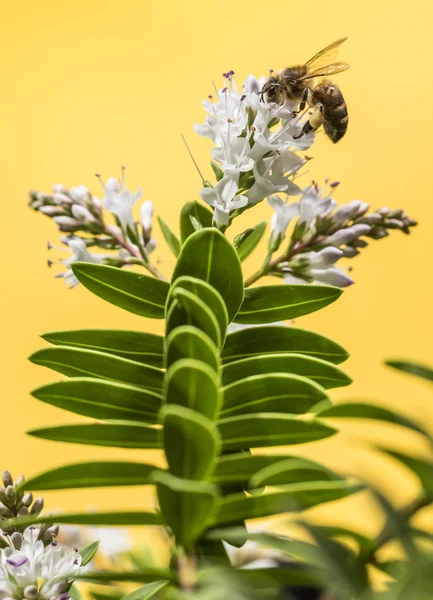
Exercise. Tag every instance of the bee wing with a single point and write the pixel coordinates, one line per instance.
(331, 69)
(325, 56)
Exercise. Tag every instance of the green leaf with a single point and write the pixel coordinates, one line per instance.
(143, 576)
(412, 368)
(139, 294)
(101, 399)
(88, 552)
(146, 591)
(363, 410)
(170, 238)
(322, 372)
(118, 435)
(188, 309)
(91, 474)
(250, 243)
(187, 341)
(208, 255)
(199, 212)
(191, 442)
(292, 470)
(78, 362)
(273, 392)
(240, 467)
(75, 593)
(269, 429)
(185, 504)
(256, 341)
(267, 304)
(294, 497)
(208, 294)
(146, 348)
(421, 467)
(111, 518)
(193, 384)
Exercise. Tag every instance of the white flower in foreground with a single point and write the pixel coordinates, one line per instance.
(282, 216)
(222, 199)
(119, 201)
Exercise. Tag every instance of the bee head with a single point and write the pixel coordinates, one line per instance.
(273, 89)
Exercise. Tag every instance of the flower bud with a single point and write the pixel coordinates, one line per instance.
(79, 194)
(52, 211)
(20, 480)
(23, 512)
(58, 188)
(27, 499)
(7, 479)
(3, 510)
(81, 213)
(16, 539)
(11, 494)
(343, 236)
(37, 507)
(60, 198)
(350, 252)
(67, 223)
(31, 592)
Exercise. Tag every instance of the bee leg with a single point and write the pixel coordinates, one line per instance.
(303, 100)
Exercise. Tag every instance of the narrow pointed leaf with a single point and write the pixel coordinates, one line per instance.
(193, 384)
(144, 575)
(267, 304)
(412, 368)
(186, 505)
(146, 591)
(91, 474)
(139, 294)
(273, 392)
(208, 255)
(191, 442)
(363, 410)
(146, 348)
(421, 467)
(322, 372)
(199, 212)
(170, 238)
(293, 498)
(118, 435)
(112, 518)
(88, 552)
(188, 309)
(269, 429)
(78, 362)
(292, 471)
(102, 399)
(256, 341)
(250, 243)
(240, 467)
(187, 341)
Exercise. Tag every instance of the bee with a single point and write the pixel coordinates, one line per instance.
(298, 84)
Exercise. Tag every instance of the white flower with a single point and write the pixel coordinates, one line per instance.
(112, 540)
(343, 236)
(119, 201)
(222, 199)
(82, 214)
(313, 204)
(146, 213)
(79, 254)
(284, 213)
(331, 276)
(79, 194)
(318, 267)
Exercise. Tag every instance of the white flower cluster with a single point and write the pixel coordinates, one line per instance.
(29, 570)
(255, 147)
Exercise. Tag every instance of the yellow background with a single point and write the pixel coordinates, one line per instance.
(92, 85)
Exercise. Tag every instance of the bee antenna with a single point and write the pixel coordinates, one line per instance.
(192, 158)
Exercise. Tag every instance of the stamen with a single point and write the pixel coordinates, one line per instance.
(192, 158)
(98, 175)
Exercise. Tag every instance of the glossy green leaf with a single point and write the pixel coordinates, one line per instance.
(78, 362)
(238, 468)
(191, 442)
(185, 504)
(273, 392)
(91, 474)
(118, 435)
(149, 574)
(250, 243)
(113, 594)
(192, 383)
(412, 368)
(363, 410)
(188, 309)
(294, 497)
(421, 467)
(112, 518)
(199, 212)
(209, 256)
(269, 429)
(322, 372)
(146, 591)
(88, 552)
(292, 470)
(102, 399)
(137, 293)
(208, 294)
(170, 238)
(146, 348)
(187, 341)
(256, 341)
(267, 304)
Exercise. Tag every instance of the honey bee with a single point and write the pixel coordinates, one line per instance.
(298, 83)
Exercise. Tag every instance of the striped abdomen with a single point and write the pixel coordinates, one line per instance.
(334, 109)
